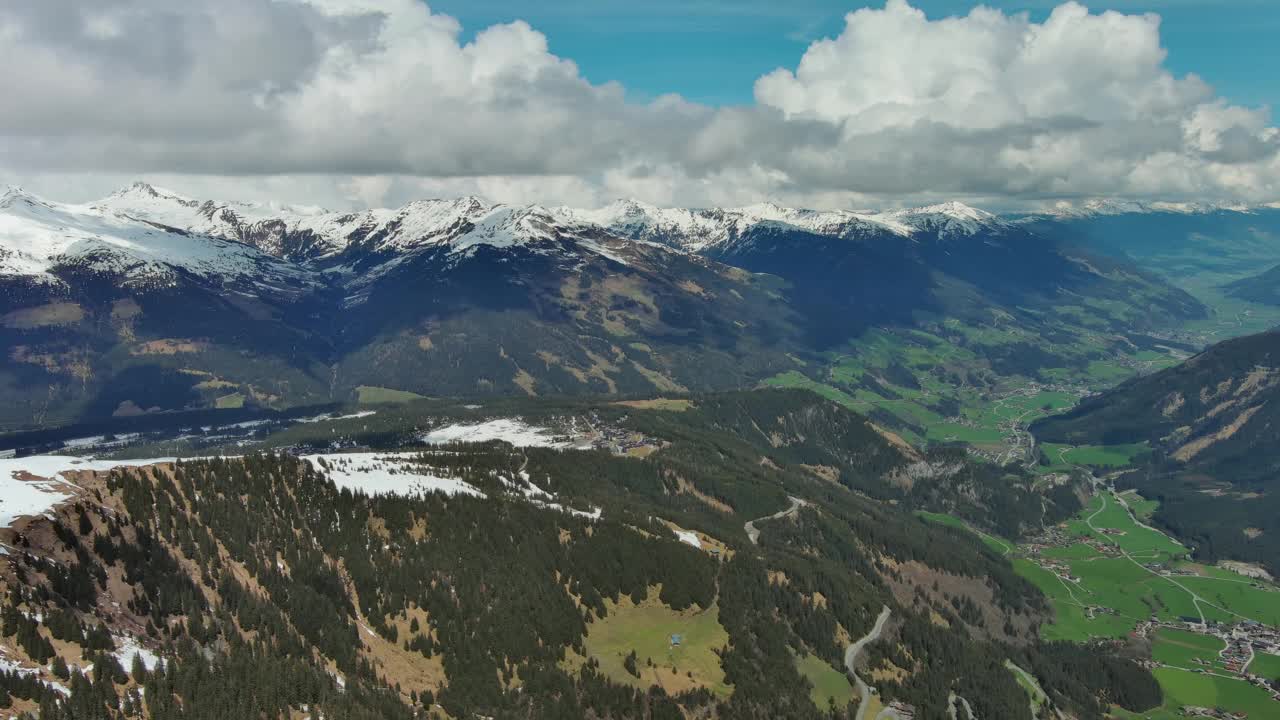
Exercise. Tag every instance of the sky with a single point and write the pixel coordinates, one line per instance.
(713, 50)
(350, 103)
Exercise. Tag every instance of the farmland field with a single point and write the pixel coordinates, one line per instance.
(1182, 649)
(1268, 666)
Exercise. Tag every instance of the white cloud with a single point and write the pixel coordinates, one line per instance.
(377, 101)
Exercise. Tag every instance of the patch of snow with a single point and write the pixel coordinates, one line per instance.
(99, 441)
(387, 474)
(688, 537)
(127, 647)
(26, 498)
(510, 430)
(328, 417)
(594, 514)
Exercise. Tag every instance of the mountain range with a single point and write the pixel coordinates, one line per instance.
(149, 300)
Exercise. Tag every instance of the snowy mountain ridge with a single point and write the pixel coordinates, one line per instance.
(142, 230)
(38, 236)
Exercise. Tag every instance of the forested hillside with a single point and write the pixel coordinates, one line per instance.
(269, 591)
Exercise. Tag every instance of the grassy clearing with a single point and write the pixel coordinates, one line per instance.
(1141, 507)
(1031, 685)
(646, 629)
(829, 686)
(373, 395)
(1064, 457)
(1001, 546)
(232, 401)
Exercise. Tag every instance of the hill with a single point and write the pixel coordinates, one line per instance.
(1212, 423)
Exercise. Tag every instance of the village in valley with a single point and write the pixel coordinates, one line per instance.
(1115, 579)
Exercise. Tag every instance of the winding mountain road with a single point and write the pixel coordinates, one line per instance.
(851, 660)
(753, 533)
(851, 652)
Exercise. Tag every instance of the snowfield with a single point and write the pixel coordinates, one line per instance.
(510, 430)
(127, 647)
(330, 417)
(688, 537)
(386, 474)
(38, 236)
(27, 498)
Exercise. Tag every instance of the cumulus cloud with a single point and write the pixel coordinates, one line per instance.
(380, 100)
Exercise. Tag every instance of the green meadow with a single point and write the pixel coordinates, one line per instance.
(829, 686)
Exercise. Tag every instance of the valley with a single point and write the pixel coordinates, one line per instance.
(1114, 579)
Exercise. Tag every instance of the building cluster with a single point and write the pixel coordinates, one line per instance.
(903, 711)
(1217, 713)
(590, 431)
(1243, 641)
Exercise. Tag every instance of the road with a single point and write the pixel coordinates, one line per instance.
(951, 708)
(753, 533)
(851, 660)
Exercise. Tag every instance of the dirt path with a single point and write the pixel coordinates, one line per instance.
(753, 533)
(851, 660)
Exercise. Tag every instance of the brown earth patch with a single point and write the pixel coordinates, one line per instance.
(169, 346)
(54, 313)
(683, 486)
(824, 472)
(1193, 448)
(912, 576)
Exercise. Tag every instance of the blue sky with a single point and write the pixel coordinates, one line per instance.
(713, 50)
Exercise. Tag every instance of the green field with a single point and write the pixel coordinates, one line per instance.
(373, 395)
(646, 629)
(1238, 596)
(829, 686)
(1189, 688)
(1064, 457)
(1070, 622)
(1183, 649)
(1143, 543)
(1268, 666)
(229, 402)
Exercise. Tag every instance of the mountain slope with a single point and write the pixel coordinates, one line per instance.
(850, 271)
(270, 583)
(152, 300)
(107, 309)
(1213, 422)
(1261, 288)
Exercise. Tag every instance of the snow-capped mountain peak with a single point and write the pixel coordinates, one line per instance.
(147, 191)
(38, 238)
